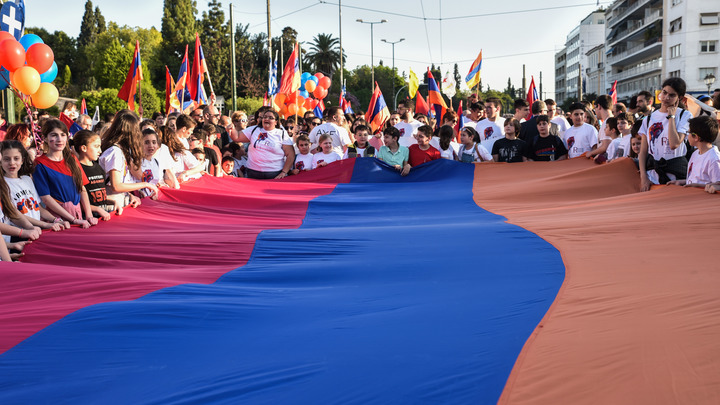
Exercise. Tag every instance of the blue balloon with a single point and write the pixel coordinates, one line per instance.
(5, 80)
(50, 74)
(305, 76)
(304, 93)
(315, 79)
(29, 40)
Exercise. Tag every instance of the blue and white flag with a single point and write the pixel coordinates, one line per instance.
(12, 18)
(272, 80)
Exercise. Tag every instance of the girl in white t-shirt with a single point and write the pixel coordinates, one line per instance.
(445, 145)
(328, 155)
(16, 169)
(151, 171)
(121, 159)
(471, 150)
(303, 160)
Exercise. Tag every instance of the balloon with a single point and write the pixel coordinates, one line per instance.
(5, 80)
(308, 103)
(50, 75)
(12, 54)
(302, 110)
(280, 98)
(320, 93)
(27, 80)
(325, 82)
(40, 56)
(29, 40)
(310, 86)
(304, 93)
(319, 75)
(46, 96)
(291, 98)
(300, 100)
(314, 80)
(304, 77)
(5, 35)
(292, 109)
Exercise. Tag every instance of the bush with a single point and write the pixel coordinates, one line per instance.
(247, 104)
(109, 102)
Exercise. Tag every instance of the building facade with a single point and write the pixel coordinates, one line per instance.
(595, 70)
(560, 85)
(691, 49)
(589, 34)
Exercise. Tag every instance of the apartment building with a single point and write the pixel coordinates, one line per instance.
(589, 34)
(560, 85)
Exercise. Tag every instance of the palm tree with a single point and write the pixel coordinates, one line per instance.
(324, 54)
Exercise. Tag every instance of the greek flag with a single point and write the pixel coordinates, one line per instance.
(12, 18)
(272, 80)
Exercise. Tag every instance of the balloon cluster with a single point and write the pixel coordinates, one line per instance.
(29, 67)
(299, 102)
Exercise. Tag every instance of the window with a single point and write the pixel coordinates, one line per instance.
(676, 25)
(709, 19)
(676, 2)
(675, 51)
(706, 71)
(675, 73)
(708, 46)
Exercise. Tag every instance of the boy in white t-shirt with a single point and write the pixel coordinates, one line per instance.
(492, 127)
(581, 137)
(625, 122)
(613, 133)
(704, 164)
(662, 152)
(303, 160)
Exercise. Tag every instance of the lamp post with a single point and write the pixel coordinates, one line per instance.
(372, 59)
(709, 80)
(393, 51)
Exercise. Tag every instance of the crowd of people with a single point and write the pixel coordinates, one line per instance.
(83, 175)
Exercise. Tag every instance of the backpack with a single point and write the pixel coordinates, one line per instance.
(690, 149)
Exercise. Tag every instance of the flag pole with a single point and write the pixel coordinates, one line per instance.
(139, 89)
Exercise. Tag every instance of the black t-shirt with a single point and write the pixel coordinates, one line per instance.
(211, 156)
(97, 193)
(510, 150)
(546, 149)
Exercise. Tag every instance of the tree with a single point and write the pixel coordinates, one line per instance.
(214, 34)
(93, 23)
(112, 65)
(178, 29)
(324, 54)
(510, 90)
(457, 77)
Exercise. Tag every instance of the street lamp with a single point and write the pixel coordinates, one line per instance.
(372, 59)
(393, 51)
(709, 80)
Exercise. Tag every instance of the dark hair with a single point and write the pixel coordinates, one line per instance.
(611, 122)
(392, 131)
(200, 134)
(332, 111)
(496, 101)
(538, 106)
(361, 127)
(633, 102)
(476, 106)
(227, 159)
(426, 130)
(70, 159)
(705, 127)
(550, 102)
(446, 134)
(125, 133)
(636, 128)
(627, 117)
(677, 84)
(450, 115)
(26, 169)
(472, 132)
(168, 137)
(8, 207)
(148, 122)
(303, 138)
(198, 150)
(82, 138)
(185, 121)
(542, 118)
(576, 106)
(520, 103)
(648, 96)
(150, 131)
(324, 137)
(515, 123)
(408, 103)
(604, 101)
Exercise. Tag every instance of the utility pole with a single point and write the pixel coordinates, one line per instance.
(580, 91)
(393, 62)
(269, 40)
(523, 83)
(541, 93)
(372, 57)
(232, 61)
(342, 63)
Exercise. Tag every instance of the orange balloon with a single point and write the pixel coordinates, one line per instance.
(319, 75)
(302, 110)
(310, 86)
(325, 82)
(320, 93)
(300, 100)
(46, 96)
(292, 108)
(280, 99)
(12, 54)
(6, 35)
(308, 103)
(27, 80)
(291, 98)
(40, 56)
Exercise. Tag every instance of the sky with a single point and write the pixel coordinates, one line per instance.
(510, 34)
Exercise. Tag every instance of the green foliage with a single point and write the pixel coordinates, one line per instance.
(152, 100)
(178, 30)
(66, 77)
(107, 99)
(507, 101)
(93, 24)
(247, 104)
(216, 46)
(359, 85)
(324, 54)
(112, 65)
